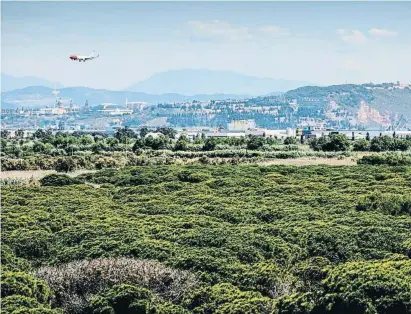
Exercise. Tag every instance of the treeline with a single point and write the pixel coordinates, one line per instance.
(66, 152)
(65, 144)
(339, 142)
(210, 239)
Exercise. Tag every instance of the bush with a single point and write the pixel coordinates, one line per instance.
(255, 142)
(22, 293)
(392, 204)
(75, 283)
(357, 287)
(209, 144)
(65, 164)
(290, 140)
(391, 159)
(59, 180)
(122, 299)
(331, 143)
(193, 177)
(361, 145)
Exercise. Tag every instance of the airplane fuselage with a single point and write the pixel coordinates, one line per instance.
(82, 58)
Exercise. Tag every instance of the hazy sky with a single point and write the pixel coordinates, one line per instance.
(319, 42)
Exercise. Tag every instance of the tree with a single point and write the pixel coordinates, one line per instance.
(19, 133)
(334, 142)
(65, 164)
(209, 144)
(144, 131)
(255, 142)
(381, 143)
(337, 142)
(39, 147)
(160, 142)
(169, 132)
(181, 143)
(5, 134)
(123, 133)
(361, 145)
(290, 140)
(138, 144)
(43, 135)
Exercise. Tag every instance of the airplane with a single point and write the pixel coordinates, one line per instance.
(83, 58)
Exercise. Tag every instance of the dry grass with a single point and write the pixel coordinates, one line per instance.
(75, 283)
(36, 174)
(306, 161)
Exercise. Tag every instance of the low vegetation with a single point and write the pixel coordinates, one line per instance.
(210, 239)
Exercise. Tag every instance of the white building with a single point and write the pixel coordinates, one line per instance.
(137, 105)
(53, 111)
(113, 109)
(241, 125)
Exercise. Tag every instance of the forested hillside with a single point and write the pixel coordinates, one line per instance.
(349, 96)
(210, 239)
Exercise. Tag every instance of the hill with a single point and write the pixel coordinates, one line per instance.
(372, 102)
(9, 82)
(36, 96)
(193, 81)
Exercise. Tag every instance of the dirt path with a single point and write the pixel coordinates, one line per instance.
(36, 174)
(306, 161)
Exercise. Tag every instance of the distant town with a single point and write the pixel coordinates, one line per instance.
(289, 114)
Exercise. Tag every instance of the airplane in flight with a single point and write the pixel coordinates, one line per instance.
(83, 58)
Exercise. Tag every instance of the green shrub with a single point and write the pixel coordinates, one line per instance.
(59, 180)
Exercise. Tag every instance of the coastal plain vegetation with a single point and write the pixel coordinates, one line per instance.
(66, 152)
(208, 239)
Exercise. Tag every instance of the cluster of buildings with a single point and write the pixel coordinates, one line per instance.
(398, 85)
(243, 128)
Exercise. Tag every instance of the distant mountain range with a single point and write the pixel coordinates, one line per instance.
(40, 96)
(192, 81)
(185, 82)
(9, 82)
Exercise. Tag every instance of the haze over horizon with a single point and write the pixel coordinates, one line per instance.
(324, 43)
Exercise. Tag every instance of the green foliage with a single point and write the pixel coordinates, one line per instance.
(227, 299)
(361, 145)
(65, 164)
(22, 293)
(182, 143)
(209, 144)
(255, 142)
(386, 143)
(290, 140)
(357, 287)
(20, 283)
(58, 180)
(391, 204)
(220, 239)
(17, 304)
(332, 143)
(392, 159)
(122, 299)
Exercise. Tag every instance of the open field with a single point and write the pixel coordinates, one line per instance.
(347, 161)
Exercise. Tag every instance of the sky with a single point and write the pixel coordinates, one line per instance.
(321, 42)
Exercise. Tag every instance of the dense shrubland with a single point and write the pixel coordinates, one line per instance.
(67, 152)
(210, 239)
